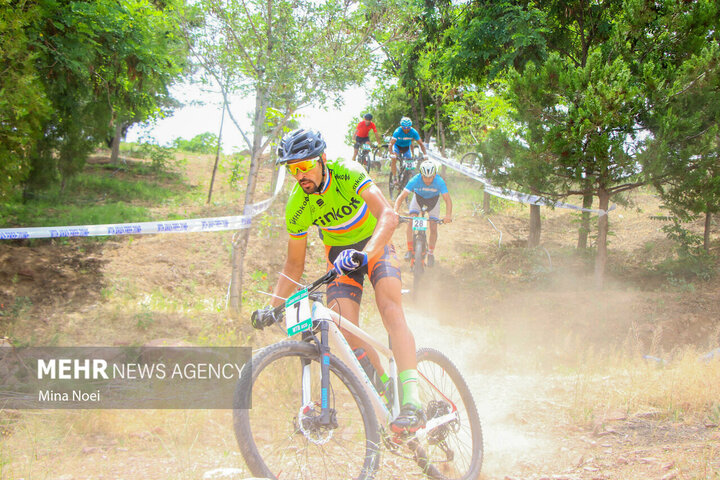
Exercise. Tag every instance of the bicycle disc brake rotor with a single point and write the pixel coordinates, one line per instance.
(310, 425)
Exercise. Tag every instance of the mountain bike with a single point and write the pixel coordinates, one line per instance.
(381, 155)
(419, 227)
(405, 170)
(316, 414)
(364, 156)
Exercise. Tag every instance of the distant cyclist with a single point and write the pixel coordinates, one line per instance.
(401, 142)
(427, 187)
(362, 133)
(356, 224)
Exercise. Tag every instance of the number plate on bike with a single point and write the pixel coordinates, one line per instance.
(419, 223)
(297, 313)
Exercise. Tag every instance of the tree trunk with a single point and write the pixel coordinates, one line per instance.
(535, 226)
(414, 108)
(706, 233)
(217, 155)
(603, 225)
(486, 197)
(240, 238)
(440, 133)
(115, 148)
(420, 116)
(584, 222)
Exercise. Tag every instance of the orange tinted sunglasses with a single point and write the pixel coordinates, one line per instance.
(298, 167)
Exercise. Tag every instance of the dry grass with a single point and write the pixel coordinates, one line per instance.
(497, 311)
(684, 388)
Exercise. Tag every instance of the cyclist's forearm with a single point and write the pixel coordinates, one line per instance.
(284, 287)
(448, 205)
(382, 235)
(399, 201)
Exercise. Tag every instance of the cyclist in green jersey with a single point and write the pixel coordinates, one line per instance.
(356, 224)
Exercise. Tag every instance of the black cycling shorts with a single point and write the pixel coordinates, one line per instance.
(360, 140)
(351, 286)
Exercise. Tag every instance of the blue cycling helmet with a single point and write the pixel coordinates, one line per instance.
(299, 144)
(368, 116)
(405, 122)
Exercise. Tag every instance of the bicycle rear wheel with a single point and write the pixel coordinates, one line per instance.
(453, 450)
(280, 438)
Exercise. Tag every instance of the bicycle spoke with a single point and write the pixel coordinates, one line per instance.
(452, 450)
(288, 438)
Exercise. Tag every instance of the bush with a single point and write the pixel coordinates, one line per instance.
(691, 260)
(204, 143)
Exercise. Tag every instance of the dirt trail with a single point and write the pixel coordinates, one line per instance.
(510, 318)
(510, 440)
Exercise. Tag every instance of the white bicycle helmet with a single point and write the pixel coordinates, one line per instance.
(428, 168)
(405, 122)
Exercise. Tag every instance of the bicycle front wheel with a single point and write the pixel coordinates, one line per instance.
(381, 156)
(391, 186)
(365, 160)
(282, 437)
(418, 267)
(452, 450)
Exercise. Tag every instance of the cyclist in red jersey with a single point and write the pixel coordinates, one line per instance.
(362, 133)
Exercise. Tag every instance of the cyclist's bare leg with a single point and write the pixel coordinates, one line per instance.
(388, 298)
(409, 234)
(355, 153)
(432, 240)
(350, 310)
(393, 167)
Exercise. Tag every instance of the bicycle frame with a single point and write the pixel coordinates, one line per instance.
(330, 324)
(333, 393)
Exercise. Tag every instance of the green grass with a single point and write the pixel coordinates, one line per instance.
(98, 196)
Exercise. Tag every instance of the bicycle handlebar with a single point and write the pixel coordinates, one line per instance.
(406, 219)
(258, 316)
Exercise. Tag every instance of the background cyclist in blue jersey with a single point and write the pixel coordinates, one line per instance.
(427, 187)
(401, 142)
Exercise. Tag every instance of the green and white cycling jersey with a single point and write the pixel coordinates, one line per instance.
(338, 210)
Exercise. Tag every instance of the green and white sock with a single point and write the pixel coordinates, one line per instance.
(409, 380)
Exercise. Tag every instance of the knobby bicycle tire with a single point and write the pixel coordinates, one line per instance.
(381, 155)
(452, 451)
(391, 186)
(270, 434)
(418, 267)
(364, 159)
(404, 179)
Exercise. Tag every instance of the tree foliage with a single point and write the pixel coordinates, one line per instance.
(591, 97)
(285, 55)
(93, 66)
(23, 103)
